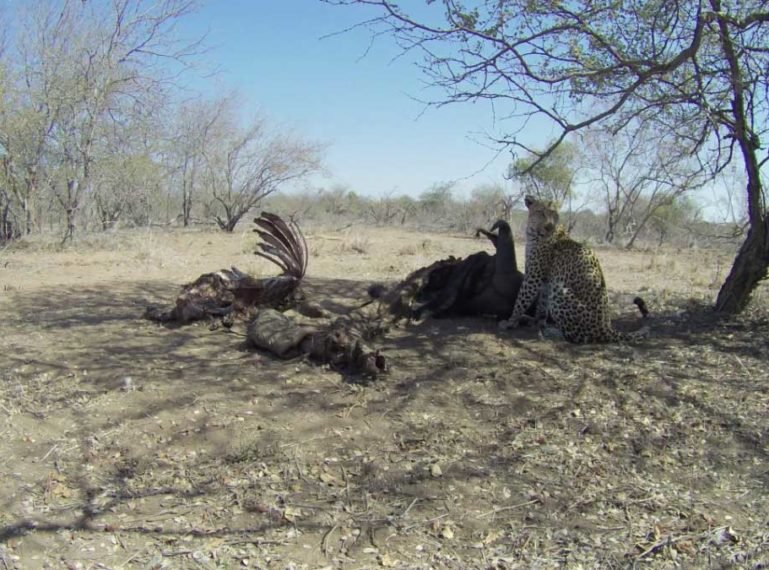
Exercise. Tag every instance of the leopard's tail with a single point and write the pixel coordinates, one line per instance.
(641, 304)
(634, 336)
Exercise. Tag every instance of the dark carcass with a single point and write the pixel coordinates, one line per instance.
(479, 284)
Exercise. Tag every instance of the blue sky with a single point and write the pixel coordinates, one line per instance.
(291, 61)
(362, 104)
(276, 54)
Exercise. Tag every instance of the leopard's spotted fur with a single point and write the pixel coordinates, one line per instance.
(568, 280)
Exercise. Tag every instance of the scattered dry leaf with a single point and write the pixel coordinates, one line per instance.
(386, 561)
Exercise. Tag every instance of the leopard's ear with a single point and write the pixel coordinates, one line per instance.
(529, 200)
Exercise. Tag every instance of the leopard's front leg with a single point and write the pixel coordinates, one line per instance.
(529, 290)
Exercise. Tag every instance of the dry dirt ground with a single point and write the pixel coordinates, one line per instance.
(125, 444)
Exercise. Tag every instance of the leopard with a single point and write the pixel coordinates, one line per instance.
(566, 279)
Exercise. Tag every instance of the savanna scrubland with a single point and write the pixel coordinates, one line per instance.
(130, 445)
(126, 444)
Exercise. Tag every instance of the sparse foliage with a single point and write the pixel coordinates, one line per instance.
(486, 204)
(695, 70)
(338, 201)
(83, 71)
(436, 202)
(391, 209)
(192, 131)
(126, 185)
(678, 213)
(550, 178)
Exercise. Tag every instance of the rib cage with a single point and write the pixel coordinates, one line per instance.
(232, 292)
(282, 243)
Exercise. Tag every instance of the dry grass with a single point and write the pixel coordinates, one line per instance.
(479, 450)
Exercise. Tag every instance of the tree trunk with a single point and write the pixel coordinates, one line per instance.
(70, 232)
(751, 263)
(9, 231)
(186, 213)
(27, 200)
(611, 220)
(642, 224)
(186, 201)
(28, 221)
(227, 222)
(232, 221)
(70, 204)
(748, 269)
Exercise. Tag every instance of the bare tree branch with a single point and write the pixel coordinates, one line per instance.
(698, 72)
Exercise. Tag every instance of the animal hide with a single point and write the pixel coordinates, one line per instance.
(232, 293)
(479, 284)
(341, 343)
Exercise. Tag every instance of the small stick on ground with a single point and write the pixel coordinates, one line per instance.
(347, 488)
(3, 559)
(428, 521)
(324, 540)
(414, 502)
(134, 555)
(43, 458)
(671, 540)
(510, 508)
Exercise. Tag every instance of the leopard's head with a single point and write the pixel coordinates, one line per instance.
(543, 217)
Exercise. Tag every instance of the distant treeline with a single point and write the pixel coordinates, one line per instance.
(439, 210)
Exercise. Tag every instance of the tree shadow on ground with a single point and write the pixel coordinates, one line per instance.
(470, 425)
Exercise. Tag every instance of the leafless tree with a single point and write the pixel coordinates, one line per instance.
(694, 68)
(9, 226)
(84, 66)
(384, 210)
(28, 113)
(193, 126)
(245, 165)
(636, 174)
